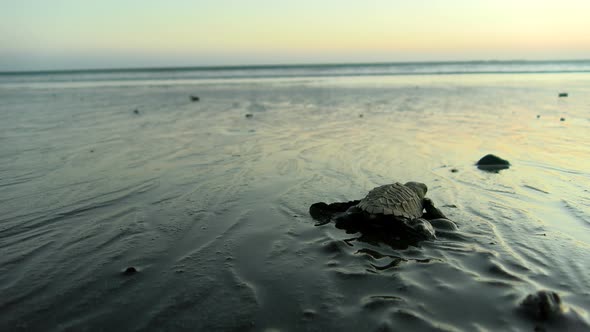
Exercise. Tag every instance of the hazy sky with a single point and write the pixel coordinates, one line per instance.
(54, 34)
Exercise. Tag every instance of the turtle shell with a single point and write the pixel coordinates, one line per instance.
(393, 199)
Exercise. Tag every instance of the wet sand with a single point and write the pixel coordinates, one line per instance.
(211, 207)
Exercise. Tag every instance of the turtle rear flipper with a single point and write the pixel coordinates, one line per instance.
(443, 224)
(421, 228)
(324, 213)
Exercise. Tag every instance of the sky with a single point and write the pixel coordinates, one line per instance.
(77, 34)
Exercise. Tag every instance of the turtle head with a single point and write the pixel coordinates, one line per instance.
(418, 187)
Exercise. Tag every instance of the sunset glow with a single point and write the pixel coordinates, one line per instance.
(63, 34)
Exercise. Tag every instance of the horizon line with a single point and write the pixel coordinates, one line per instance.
(272, 66)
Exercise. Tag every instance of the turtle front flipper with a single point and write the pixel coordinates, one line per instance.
(432, 212)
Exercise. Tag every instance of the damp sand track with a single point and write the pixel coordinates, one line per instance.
(212, 207)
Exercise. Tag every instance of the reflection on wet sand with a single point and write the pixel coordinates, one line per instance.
(210, 208)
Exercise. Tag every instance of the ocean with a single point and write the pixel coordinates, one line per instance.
(188, 74)
(127, 206)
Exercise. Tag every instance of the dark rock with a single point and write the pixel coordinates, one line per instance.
(249, 115)
(195, 98)
(454, 170)
(130, 271)
(562, 94)
(136, 111)
(562, 119)
(542, 305)
(538, 116)
(491, 159)
(492, 163)
(361, 115)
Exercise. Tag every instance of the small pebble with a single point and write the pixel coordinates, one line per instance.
(130, 271)
(309, 313)
(542, 305)
(538, 116)
(360, 115)
(562, 119)
(249, 115)
(136, 111)
(454, 170)
(562, 94)
(195, 98)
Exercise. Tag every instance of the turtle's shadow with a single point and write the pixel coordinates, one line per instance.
(373, 233)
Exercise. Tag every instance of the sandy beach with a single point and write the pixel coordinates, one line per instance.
(210, 206)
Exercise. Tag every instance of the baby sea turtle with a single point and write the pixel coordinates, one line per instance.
(399, 200)
(397, 207)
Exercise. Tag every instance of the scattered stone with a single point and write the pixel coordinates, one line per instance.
(492, 163)
(454, 170)
(130, 271)
(561, 119)
(195, 98)
(542, 305)
(309, 313)
(563, 94)
(249, 115)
